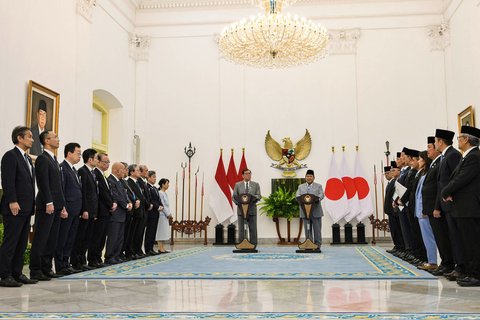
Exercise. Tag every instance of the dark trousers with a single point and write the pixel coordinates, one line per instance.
(127, 235)
(115, 233)
(15, 239)
(82, 242)
(395, 231)
(66, 237)
(418, 246)
(137, 230)
(151, 230)
(442, 239)
(470, 231)
(252, 228)
(456, 242)
(406, 229)
(44, 241)
(98, 240)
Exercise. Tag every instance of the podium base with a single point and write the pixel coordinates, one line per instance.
(245, 251)
(309, 250)
(245, 245)
(308, 245)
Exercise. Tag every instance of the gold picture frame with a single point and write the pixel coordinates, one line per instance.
(466, 118)
(43, 106)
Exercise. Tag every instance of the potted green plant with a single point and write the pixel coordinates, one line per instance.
(281, 204)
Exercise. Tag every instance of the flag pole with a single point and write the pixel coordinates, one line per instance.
(176, 200)
(195, 202)
(383, 193)
(376, 194)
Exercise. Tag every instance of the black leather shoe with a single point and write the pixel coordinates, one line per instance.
(23, 279)
(468, 282)
(51, 274)
(64, 272)
(73, 270)
(455, 275)
(440, 271)
(38, 275)
(86, 268)
(10, 282)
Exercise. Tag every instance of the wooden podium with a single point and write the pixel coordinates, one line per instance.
(245, 200)
(307, 201)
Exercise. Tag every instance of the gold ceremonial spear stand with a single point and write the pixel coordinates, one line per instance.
(308, 246)
(245, 246)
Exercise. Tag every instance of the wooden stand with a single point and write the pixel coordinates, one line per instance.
(189, 227)
(379, 225)
(283, 241)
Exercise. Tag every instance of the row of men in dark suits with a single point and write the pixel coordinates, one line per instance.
(77, 214)
(444, 193)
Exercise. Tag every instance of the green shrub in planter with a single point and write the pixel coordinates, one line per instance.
(280, 204)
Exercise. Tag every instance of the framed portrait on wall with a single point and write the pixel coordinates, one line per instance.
(42, 113)
(466, 118)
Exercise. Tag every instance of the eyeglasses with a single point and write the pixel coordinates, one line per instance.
(105, 161)
(462, 136)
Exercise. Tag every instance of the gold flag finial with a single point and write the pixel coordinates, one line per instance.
(221, 150)
(232, 150)
(356, 148)
(333, 149)
(243, 149)
(343, 148)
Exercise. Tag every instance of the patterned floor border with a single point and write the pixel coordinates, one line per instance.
(240, 315)
(385, 267)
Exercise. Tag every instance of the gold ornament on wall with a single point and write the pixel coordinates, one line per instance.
(288, 155)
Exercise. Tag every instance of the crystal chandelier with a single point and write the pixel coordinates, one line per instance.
(272, 39)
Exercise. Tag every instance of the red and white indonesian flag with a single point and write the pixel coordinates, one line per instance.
(352, 194)
(220, 199)
(336, 202)
(232, 177)
(363, 191)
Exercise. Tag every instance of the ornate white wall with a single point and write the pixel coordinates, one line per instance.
(174, 88)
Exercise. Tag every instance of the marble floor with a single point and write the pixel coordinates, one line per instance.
(240, 296)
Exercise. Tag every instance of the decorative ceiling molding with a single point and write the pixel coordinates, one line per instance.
(343, 41)
(85, 8)
(138, 47)
(173, 4)
(439, 36)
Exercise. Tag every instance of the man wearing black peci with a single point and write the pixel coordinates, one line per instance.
(449, 160)
(463, 193)
(17, 205)
(429, 196)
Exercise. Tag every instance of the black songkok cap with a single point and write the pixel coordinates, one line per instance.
(412, 153)
(471, 131)
(430, 140)
(444, 134)
(310, 171)
(393, 164)
(404, 150)
(386, 169)
(42, 105)
(399, 154)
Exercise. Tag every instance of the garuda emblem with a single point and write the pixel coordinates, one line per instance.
(288, 155)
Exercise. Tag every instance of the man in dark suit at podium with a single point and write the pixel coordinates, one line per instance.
(17, 205)
(252, 188)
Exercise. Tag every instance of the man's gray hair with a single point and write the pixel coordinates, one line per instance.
(472, 140)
